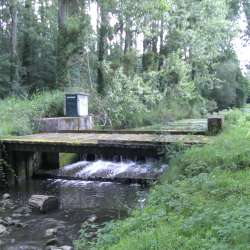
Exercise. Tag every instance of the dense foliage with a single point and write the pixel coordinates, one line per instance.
(201, 203)
(17, 115)
(147, 55)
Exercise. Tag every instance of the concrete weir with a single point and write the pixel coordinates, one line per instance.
(32, 153)
(28, 154)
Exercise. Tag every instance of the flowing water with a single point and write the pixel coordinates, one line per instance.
(108, 170)
(80, 201)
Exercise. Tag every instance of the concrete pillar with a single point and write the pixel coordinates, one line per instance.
(11, 173)
(215, 124)
(34, 163)
(25, 164)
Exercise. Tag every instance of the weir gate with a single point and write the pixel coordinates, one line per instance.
(28, 154)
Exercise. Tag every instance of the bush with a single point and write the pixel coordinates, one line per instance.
(17, 114)
(140, 100)
(126, 102)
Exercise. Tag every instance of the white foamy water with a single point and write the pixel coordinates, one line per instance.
(108, 169)
(75, 165)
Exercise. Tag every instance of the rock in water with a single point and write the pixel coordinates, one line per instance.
(43, 203)
(51, 232)
(52, 242)
(92, 219)
(6, 196)
(3, 229)
(66, 248)
(52, 248)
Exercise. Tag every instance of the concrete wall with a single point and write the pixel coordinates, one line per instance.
(63, 124)
(25, 164)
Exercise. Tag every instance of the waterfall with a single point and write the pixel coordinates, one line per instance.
(109, 170)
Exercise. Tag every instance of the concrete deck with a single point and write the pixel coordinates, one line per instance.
(105, 138)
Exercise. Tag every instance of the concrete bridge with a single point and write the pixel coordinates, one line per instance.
(27, 154)
(31, 153)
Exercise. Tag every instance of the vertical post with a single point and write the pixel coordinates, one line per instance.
(33, 163)
(11, 175)
(22, 168)
(215, 124)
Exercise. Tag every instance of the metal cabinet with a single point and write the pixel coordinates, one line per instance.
(76, 104)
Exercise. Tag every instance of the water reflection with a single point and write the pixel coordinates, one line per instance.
(95, 195)
(78, 201)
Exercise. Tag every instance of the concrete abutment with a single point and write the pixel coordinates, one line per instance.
(25, 163)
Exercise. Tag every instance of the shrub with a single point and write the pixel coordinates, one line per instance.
(127, 101)
(17, 114)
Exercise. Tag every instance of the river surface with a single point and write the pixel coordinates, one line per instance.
(80, 201)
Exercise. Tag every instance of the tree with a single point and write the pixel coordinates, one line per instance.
(13, 52)
(27, 51)
(177, 46)
(71, 28)
(102, 43)
(246, 7)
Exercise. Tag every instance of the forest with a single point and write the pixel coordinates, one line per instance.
(144, 64)
(140, 61)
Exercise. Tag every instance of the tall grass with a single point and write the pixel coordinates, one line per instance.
(16, 115)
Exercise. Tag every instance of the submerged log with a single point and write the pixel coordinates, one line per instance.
(43, 203)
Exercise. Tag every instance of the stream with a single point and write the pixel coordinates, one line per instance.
(80, 202)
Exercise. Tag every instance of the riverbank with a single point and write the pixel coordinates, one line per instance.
(201, 203)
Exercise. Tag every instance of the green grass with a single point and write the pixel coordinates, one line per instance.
(67, 158)
(203, 202)
(17, 114)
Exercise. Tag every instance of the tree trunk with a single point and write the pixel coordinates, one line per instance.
(246, 8)
(27, 46)
(13, 52)
(61, 72)
(102, 43)
(155, 38)
(161, 44)
(121, 33)
(128, 36)
(62, 13)
(145, 59)
(66, 39)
